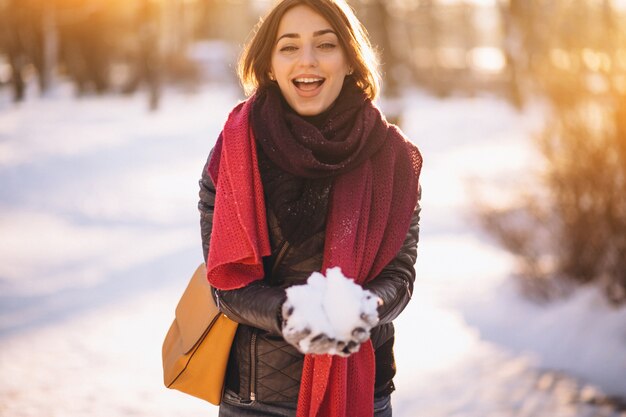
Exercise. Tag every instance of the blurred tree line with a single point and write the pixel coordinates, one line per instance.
(111, 45)
(569, 53)
(444, 47)
(117, 45)
(572, 55)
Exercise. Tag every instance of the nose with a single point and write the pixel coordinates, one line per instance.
(308, 57)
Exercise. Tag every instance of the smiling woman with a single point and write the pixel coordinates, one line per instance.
(351, 38)
(308, 63)
(308, 175)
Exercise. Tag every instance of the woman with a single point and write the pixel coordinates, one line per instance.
(309, 176)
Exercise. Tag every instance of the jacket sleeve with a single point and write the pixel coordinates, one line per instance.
(394, 285)
(257, 304)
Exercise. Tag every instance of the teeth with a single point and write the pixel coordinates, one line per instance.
(308, 80)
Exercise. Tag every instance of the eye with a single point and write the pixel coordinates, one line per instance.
(288, 48)
(327, 46)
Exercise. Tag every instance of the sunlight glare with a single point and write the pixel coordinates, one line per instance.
(423, 57)
(449, 57)
(480, 3)
(487, 59)
(620, 84)
(621, 57)
(596, 60)
(560, 59)
(620, 5)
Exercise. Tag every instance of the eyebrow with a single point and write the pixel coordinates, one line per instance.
(315, 34)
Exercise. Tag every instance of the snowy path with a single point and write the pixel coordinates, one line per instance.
(99, 231)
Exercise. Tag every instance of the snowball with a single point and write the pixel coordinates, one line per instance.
(342, 303)
(332, 305)
(307, 301)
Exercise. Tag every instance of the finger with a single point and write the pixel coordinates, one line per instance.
(370, 319)
(292, 333)
(323, 340)
(340, 345)
(370, 297)
(349, 348)
(301, 340)
(360, 335)
(287, 310)
(315, 349)
(318, 338)
(322, 344)
(312, 348)
(339, 348)
(342, 354)
(354, 348)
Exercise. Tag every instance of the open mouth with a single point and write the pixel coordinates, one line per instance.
(308, 84)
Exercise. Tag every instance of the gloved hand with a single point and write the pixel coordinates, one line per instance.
(368, 314)
(368, 318)
(298, 331)
(310, 342)
(331, 316)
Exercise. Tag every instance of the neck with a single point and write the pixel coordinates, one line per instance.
(316, 120)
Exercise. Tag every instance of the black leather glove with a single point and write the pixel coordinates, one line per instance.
(316, 324)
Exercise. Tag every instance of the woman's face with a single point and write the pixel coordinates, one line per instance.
(307, 61)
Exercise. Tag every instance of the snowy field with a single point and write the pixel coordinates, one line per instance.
(99, 233)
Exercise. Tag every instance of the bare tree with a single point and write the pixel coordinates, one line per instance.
(567, 54)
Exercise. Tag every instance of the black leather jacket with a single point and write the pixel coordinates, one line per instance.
(262, 366)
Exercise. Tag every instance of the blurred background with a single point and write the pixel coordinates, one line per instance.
(109, 108)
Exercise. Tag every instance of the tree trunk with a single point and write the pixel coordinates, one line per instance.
(50, 47)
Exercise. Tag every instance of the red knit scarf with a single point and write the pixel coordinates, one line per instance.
(369, 215)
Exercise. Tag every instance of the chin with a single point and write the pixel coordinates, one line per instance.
(310, 110)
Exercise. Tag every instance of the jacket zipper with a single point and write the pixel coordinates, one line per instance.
(217, 299)
(253, 365)
(281, 254)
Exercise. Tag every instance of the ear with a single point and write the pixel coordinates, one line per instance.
(271, 76)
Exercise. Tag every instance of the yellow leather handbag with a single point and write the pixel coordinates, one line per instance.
(197, 345)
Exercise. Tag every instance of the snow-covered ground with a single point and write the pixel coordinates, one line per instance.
(99, 233)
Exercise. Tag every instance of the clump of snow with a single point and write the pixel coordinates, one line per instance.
(346, 303)
(307, 301)
(331, 306)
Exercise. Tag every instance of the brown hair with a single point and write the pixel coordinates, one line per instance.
(255, 61)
